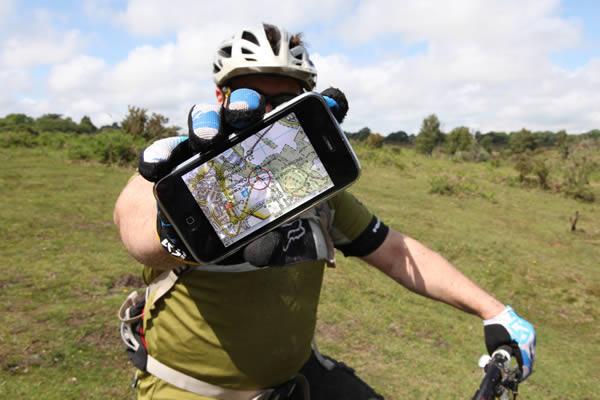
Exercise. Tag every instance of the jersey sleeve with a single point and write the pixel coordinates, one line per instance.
(355, 231)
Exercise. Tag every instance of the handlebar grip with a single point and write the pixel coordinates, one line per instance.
(493, 375)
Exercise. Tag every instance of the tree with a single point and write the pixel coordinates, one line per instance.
(429, 136)
(138, 124)
(55, 123)
(135, 121)
(459, 139)
(593, 134)
(155, 128)
(360, 136)
(561, 142)
(521, 141)
(397, 137)
(15, 121)
(86, 125)
(544, 139)
(493, 140)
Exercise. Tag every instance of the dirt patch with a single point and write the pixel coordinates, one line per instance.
(329, 331)
(128, 280)
(105, 338)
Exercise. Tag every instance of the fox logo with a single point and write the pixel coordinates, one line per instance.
(295, 233)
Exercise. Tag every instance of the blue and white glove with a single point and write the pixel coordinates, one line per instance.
(208, 125)
(507, 328)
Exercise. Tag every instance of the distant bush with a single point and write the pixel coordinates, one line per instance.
(524, 167)
(451, 186)
(55, 123)
(579, 192)
(458, 186)
(18, 139)
(384, 156)
(109, 147)
(580, 166)
(476, 153)
(541, 170)
(459, 139)
(55, 140)
(374, 141)
(521, 141)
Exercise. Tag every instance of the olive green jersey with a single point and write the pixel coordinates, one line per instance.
(247, 330)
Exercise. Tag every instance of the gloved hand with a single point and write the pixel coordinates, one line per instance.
(510, 329)
(208, 125)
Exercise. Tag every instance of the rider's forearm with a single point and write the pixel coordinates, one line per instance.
(135, 217)
(425, 272)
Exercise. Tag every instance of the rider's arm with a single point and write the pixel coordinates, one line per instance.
(135, 217)
(425, 272)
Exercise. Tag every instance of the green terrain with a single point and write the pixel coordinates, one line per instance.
(64, 273)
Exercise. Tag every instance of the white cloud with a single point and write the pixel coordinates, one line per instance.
(154, 17)
(481, 64)
(39, 42)
(12, 80)
(79, 74)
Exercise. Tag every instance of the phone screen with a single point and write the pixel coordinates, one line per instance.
(258, 180)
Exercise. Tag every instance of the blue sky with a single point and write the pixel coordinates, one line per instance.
(485, 65)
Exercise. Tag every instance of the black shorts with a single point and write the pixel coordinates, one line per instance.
(339, 383)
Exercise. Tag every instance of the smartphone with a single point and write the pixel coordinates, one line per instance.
(260, 178)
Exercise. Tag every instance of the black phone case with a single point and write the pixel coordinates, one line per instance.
(324, 134)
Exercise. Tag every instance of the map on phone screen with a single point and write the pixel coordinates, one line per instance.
(258, 180)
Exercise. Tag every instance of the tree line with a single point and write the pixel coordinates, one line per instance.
(137, 123)
(462, 139)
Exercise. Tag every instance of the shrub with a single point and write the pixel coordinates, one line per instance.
(375, 141)
(18, 139)
(55, 123)
(459, 139)
(541, 170)
(521, 141)
(451, 186)
(55, 140)
(524, 167)
(476, 153)
(113, 147)
(579, 192)
(109, 147)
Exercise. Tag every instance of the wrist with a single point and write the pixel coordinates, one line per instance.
(493, 310)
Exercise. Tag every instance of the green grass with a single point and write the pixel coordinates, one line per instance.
(64, 273)
(60, 279)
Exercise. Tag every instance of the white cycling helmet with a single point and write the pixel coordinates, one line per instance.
(249, 52)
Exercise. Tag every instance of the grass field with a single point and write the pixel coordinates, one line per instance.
(64, 273)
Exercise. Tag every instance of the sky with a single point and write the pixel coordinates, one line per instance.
(488, 65)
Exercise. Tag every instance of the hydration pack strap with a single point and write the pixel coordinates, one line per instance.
(161, 285)
(199, 387)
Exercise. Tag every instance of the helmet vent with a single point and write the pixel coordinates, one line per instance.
(225, 52)
(250, 37)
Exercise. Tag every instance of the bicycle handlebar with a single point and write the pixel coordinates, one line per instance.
(499, 378)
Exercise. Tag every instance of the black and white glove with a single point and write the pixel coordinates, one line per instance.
(209, 125)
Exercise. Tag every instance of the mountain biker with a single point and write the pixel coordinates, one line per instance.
(233, 330)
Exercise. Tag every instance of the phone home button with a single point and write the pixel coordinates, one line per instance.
(192, 224)
(190, 220)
